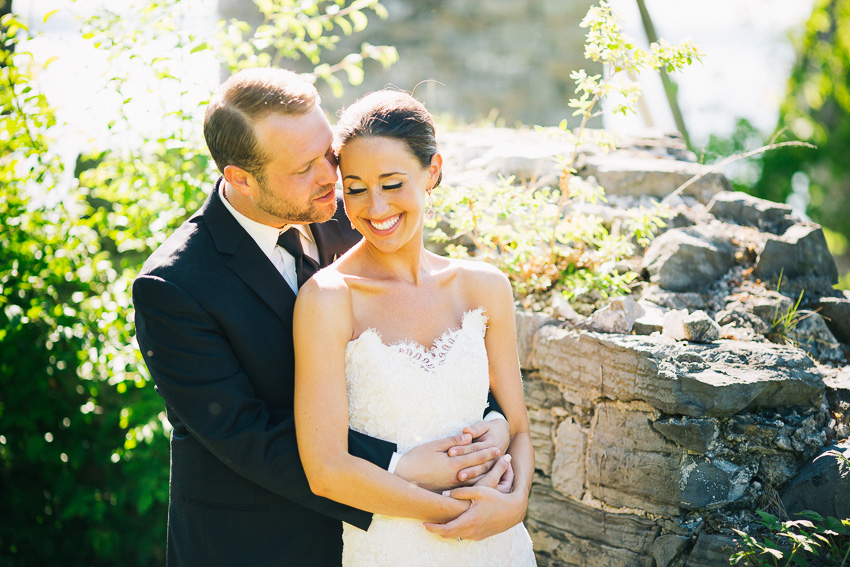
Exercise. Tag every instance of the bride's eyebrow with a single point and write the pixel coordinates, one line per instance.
(383, 175)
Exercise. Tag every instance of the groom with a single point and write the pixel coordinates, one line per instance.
(213, 321)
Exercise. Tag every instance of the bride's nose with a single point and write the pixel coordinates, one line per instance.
(378, 206)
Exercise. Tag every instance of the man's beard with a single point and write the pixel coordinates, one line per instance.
(290, 211)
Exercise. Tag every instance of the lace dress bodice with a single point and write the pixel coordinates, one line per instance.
(408, 394)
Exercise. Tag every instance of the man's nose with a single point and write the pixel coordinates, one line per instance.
(329, 173)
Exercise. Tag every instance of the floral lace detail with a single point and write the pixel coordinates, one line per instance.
(429, 359)
(409, 394)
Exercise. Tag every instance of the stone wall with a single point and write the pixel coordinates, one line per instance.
(505, 59)
(663, 420)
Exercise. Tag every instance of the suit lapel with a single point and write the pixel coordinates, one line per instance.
(329, 241)
(246, 259)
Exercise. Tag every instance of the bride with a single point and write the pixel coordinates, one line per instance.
(401, 344)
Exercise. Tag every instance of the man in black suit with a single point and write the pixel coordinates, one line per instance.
(213, 320)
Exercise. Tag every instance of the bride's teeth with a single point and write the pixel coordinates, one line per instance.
(387, 224)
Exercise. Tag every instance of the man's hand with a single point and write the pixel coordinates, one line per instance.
(492, 479)
(491, 433)
(447, 463)
(490, 512)
(493, 508)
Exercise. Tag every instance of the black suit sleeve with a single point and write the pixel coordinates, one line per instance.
(204, 386)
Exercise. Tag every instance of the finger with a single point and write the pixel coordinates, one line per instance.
(461, 440)
(480, 457)
(506, 483)
(470, 448)
(477, 429)
(459, 527)
(478, 470)
(463, 493)
(494, 476)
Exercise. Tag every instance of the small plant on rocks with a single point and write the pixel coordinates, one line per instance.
(813, 541)
(542, 236)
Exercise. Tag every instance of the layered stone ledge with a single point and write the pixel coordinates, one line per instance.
(649, 450)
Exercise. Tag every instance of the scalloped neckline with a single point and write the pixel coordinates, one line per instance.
(427, 357)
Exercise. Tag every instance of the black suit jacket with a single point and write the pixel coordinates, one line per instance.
(214, 324)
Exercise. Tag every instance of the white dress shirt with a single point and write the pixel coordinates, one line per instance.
(266, 238)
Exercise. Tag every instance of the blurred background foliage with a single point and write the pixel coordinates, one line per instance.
(816, 109)
(83, 438)
(83, 435)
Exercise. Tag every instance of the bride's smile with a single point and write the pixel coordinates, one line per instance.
(385, 190)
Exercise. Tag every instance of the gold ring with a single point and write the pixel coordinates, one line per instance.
(460, 539)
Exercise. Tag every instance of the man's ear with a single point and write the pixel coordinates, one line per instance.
(240, 179)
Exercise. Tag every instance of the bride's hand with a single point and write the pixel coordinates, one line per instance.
(446, 463)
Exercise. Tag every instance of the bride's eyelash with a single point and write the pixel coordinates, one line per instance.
(353, 191)
(394, 186)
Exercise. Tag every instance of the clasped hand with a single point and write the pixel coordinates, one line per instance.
(461, 460)
(468, 467)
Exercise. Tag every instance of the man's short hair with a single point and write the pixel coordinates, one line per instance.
(240, 101)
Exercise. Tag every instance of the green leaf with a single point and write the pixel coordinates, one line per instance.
(203, 46)
(48, 15)
(359, 20)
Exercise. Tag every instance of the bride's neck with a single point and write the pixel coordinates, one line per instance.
(409, 264)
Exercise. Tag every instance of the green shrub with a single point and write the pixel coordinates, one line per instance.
(813, 541)
(83, 434)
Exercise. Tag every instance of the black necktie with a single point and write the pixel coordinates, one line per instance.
(305, 266)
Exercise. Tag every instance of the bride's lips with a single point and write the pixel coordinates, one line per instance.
(385, 225)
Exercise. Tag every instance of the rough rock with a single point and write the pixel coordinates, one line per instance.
(527, 324)
(712, 550)
(674, 324)
(737, 314)
(811, 333)
(668, 547)
(566, 532)
(836, 311)
(663, 373)
(540, 394)
(700, 328)
(568, 469)
(740, 208)
(629, 464)
(695, 435)
(618, 316)
(620, 174)
(651, 321)
(541, 423)
(687, 259)
(709, 484)
(800, 251)
(688, 300)
(823, 485)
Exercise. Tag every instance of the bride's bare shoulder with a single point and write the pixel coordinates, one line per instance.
(480, 281)
(326, 291)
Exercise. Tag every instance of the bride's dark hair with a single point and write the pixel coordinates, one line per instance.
(390, 114)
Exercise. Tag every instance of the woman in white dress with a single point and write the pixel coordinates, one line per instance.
(402, 344)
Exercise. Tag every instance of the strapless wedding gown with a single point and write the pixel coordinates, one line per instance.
(410, 395)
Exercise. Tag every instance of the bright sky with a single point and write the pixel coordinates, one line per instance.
(747, 60)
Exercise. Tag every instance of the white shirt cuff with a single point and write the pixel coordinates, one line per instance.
(494, 415)
(393, 463)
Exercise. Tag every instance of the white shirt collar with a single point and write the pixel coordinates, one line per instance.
(266, 236)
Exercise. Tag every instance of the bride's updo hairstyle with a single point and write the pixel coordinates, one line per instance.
(390, 114)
